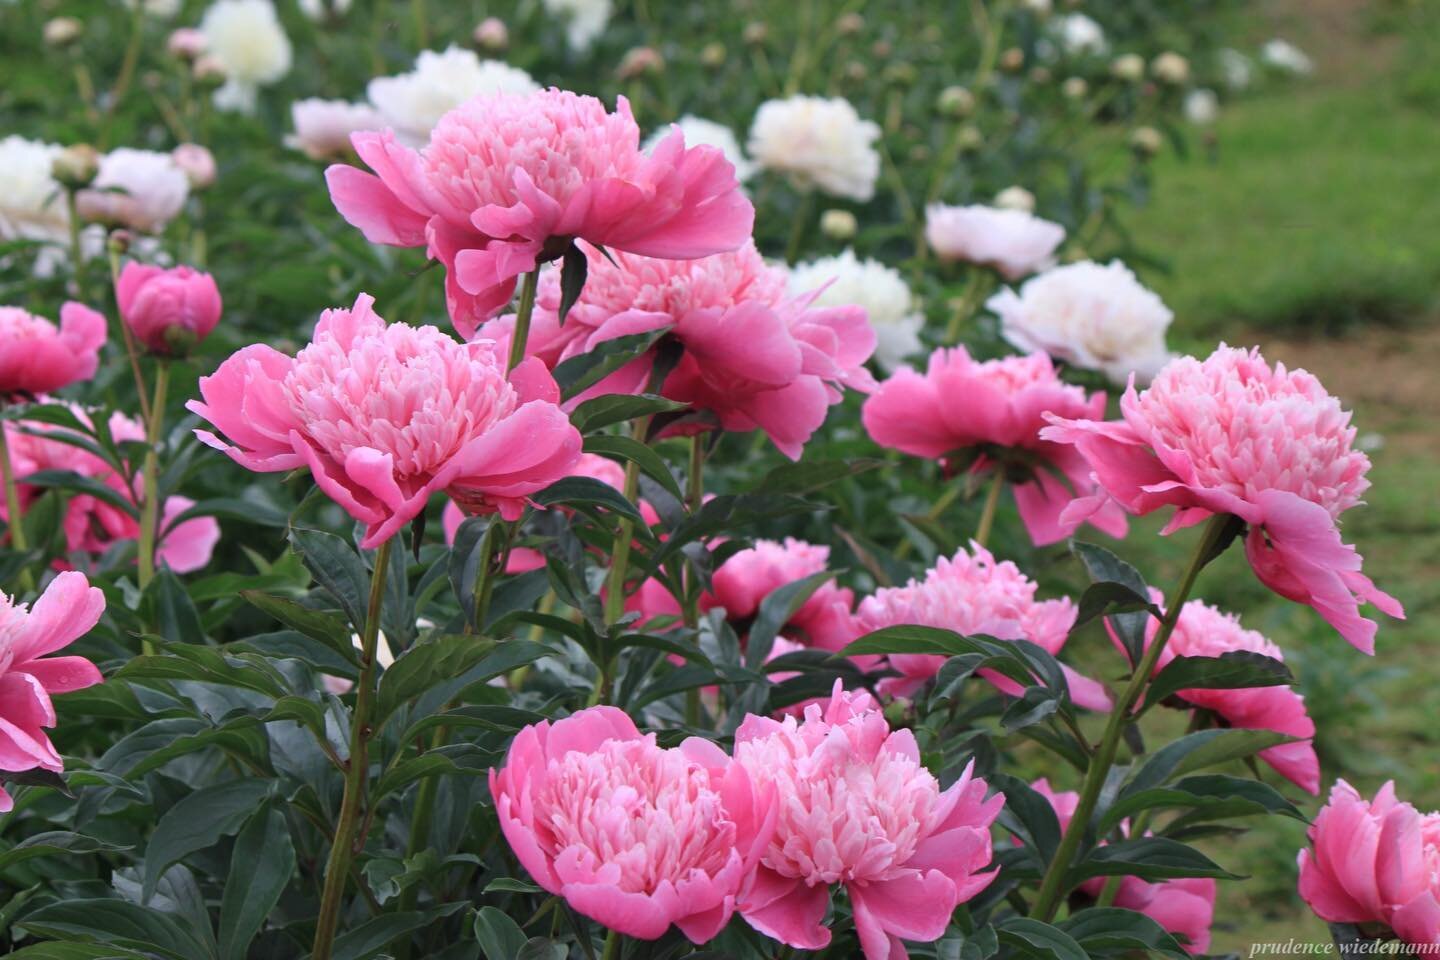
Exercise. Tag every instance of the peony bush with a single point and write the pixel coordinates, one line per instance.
(708, 532)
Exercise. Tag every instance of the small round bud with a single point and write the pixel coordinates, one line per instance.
(76, 166)
(1041, 8)
(1040, 76)
(756, 33)
(856, 72)
(713, 54)
(1015, 198)
(62, 31)
(196, 162)
(639, 61)
(186, 43)
(900, 74)
(932, 34)
(1171, 68)
(1129, 67)
(119, 242)
(838, 224)
(491, 35)
(1075, 88)
(970, 138)
(1012, 60)
(1146, 142)
(849, 24)
(881, 49)
(208, 71)
(956, 101)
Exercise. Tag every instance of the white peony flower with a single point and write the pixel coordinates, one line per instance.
(323, 127)
(320, 9)
(412, 103)
(1235, 68)
(163, 9)
(701, 132)
(246, 40)
(1095, 317)
(870, 284)
(1202, 107)
(139, 189)
(1012, 242)
(819, 142)
(1285, 56)
(584, 19)
(32, 205)
(1079, 34)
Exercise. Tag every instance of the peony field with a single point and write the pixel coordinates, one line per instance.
(719, 479)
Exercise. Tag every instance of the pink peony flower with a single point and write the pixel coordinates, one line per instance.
(385, 415)
(989, 415)
(197, 163)
(140, 189)
(857, 809)
(823, 622)
(1232, 435)
(508, 181)
(1374, 862)
(752, 355)
(632, 835)
(66, 611)
(1204, 631)
(36, 357)
(1012, 242)
(92, 525)
(170, 311)
(972, 594)
(1184, 906)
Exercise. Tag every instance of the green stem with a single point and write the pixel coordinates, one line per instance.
(484, 582)
(150, 491)
(422, 19)
(992, 499)
(975, 290)
(940, 506)
(521, 332)
(131, 350)
(342, 851)
(612, 946)
(13, 510)
(797, 227)
(694, 499)
(77, 248)
(1047, 901)
(127, 72)
(620, 559)
(419, 837)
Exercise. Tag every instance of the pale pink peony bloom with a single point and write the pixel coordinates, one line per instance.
(323, 127)
(66, 611)
(1184, 906)
(859, 810)
(753, 356)
(196, 162)
(1374, 863)
(508, 181)
(988, 416)
(186, 43)
(169, 311)
(1204, 631)
(972, 594)
(92, 525)
(385, 415)
(1232, 435)
(139, 189)
(1011, 242)
(632, 835)
(38, 357)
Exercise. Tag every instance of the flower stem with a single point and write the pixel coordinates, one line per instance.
(484, 582)
(77, 248)
(694, 499)
(975, 291)
(936, 510)
(612, 946)
(127, 72)
(987, 515)
(12, 508)
(521, 333)
(150, 505)
(620, 559)
(1047, 901)
(798, 225)
(342, 850)
(130, 349)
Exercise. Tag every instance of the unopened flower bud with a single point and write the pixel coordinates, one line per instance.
(713, 54)
(196, 162)
(492, 35)
(209, 71)
(1146, 142)
(187, 43)
(1128, 67)
(1075, 88)
(900, 74)
(1015, 198)
(76, 166)
(881, 49)
(756, 33)
(118, 242)
(1171, 68)
(970, 138)
(1012, 60)
(62, 31)
(849, 24)
(956, 101)
(1039, 75)
(169, 311)
(856, 72)
(639, 61)
(838, 224)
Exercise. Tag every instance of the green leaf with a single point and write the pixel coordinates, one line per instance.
(1197, 751)
(375, 934)
(1111, 928)
(197, 822)
(338, 568)
(542, 948)
(1104, 567)
(1031, 938)
(587, 493)
(1231, 670)
(190, 661)
(727, 514)
(500, 937)
(55, 842)
(463, 568)
(55, 950)
(69, 480)
(427, 663)
(578, 374)
(628, 448)
(573, 269)
(775, 611)
(260, 868)
(599, 412)
(1208, 797)
(807, 476)
(1149, 858)
(117, 922)
(172, 610)
(511, 885)
(232, 508)
(327, 628)
(1029, 815)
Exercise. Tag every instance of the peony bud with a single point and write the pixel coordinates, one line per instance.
(856, 71)
(1202, 107)
(1129, 67)
(849, 24)
(900, 74)
(1041, 8)
(1015, 198)
(76, 166)
(1171, 68)
(956, 102)
(62, 31)
(1012, 60)
(1075, 88)
(639, 61)
(882, 49)
(187, 43)
(971, 139)
(1146, 142)
(170, 311)
(492, 35)
(209, 71)
(713, 54)
(196, 162)
(756, 33)
(838, 224)
(1040, 76)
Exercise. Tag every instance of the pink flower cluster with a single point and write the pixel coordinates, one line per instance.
(752, 356)
(1231, 434)
(973, 594)
(509, 180)
(38, 357)
(1374, 862)
(640, 838)
(1184, 906)
(989, 416)
(384, 415)
(92, 525)
(66, 611)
